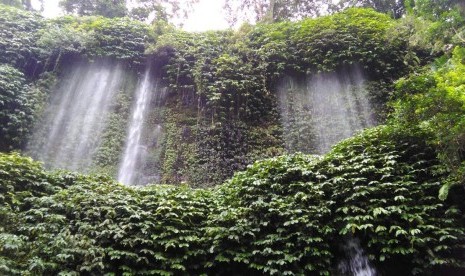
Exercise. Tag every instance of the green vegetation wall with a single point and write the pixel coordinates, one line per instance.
(223, 84)
(289, 215)
(220, 113)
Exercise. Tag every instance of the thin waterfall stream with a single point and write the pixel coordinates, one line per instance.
(131, 169)
(356, 262)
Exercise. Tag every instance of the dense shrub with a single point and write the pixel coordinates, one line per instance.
(434, 99)
(18, 38)
(287, 215)
(19, 104)
(119, 38)
(67, 38)
(385, 184)
(272, 219)
(22, 180)
(34, 44)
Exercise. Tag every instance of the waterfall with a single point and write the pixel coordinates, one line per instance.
(323, 109)
(75, 118)
(356, 262)
(131, 170)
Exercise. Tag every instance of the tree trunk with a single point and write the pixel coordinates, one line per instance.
(270, 13)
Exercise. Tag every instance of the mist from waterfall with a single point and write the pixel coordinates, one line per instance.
(137, 149)
(73, 123)
(323, 109)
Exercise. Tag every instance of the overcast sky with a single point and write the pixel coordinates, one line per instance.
(207, 15)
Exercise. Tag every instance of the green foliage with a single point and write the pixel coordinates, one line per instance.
(21, 180)
(179, 156)
(19, 105)
(354, 36)
(272, 219)
(434, 100)
(75, 224)
(385, 184)
(434, 10)
(230, 146)
(58, 41)
(217, 81)
(109, 151)
(95, 7)
(282, 215)
(14, 3)
(226, 80)
(18, 38)
(29, 42)
(118, 230)
(380, 187)
(394, 8)
(119, 38)
(422, 42)
(233, 72)
(447, 19)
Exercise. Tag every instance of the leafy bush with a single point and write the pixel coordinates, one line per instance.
(22, 180)
(77, 224)
(385, 184)
(288, 214)
(34, 44)
(272, 219)
(435, 100)
(18, 38)
(18, 108)
(357, 36)
(118, 38)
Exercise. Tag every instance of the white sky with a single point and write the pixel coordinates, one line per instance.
(207, 15)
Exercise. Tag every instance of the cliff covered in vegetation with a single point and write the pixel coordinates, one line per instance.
(221, 110)
(396, 188)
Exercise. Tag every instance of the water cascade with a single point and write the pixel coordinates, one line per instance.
(73, 123)
(323, 109)
(137, 150)
(356, 262)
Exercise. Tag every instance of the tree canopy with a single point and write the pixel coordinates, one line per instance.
(278, 10)
(138, 9)
(395, 8)
(26, 4)
(107, 8)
